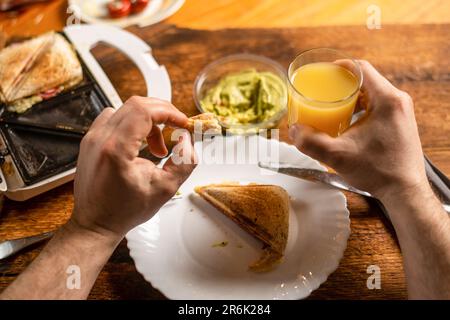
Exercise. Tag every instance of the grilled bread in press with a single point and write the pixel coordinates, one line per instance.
(37, 69)
(17, 59)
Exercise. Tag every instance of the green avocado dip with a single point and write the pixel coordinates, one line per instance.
(246, 97)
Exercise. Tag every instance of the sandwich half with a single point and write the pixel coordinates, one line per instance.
(37, 69)
(17, 59)
(261, 210)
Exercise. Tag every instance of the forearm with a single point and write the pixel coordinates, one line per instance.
(423, 230)
(54, 273)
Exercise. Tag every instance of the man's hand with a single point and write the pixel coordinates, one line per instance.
(382, 154)
(115, 190)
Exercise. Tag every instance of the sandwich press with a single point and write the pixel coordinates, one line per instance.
(39, 148)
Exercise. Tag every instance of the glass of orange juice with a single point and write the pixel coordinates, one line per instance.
(324, 86)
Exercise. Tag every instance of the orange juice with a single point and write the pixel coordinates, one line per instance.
(324, 97)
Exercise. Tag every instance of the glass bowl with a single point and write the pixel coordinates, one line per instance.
(212, 73)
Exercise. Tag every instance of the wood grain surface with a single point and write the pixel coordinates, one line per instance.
(415, 58)
(207, 14)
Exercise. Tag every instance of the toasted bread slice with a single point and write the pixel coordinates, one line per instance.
(17, 59)
(57, 66)
(261, 210)
(205, 122)
(30, 69)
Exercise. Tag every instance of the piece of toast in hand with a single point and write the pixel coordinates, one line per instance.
(201, 123)
(205, 123)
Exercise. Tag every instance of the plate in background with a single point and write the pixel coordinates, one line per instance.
(95, 11)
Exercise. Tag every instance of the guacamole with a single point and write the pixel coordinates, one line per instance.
(246, 97)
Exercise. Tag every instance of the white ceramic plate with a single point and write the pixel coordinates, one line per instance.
(95, 11)
(175, 249)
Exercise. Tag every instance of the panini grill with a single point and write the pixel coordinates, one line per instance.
(39, 148)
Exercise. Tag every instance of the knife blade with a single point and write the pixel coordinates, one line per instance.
(438, 180)
(312, 175)
(10, 247)
(325, 177)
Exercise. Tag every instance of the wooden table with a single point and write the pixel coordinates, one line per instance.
(207, 14)
(415, 58)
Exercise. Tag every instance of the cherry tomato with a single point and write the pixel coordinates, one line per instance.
(138, 6)
(119, 8)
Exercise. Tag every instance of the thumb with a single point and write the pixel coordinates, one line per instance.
(317, 145)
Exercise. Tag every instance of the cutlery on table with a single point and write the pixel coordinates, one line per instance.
(10, 247)
(438, 180)
(331, 179)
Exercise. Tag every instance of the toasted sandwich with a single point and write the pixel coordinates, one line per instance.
(16, 60)
(37, 69)
(261, 210)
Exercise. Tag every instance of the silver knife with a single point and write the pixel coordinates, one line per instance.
(438, 180)
(10, 247)
(315, 175)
